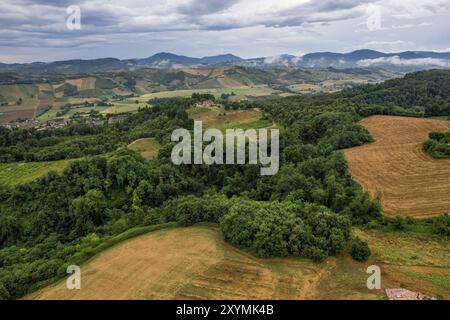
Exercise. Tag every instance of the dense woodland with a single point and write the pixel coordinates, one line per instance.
(306, 210)
(428, 91)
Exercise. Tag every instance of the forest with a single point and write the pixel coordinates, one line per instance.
(306, 210)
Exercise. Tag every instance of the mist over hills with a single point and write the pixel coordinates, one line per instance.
(403, 62)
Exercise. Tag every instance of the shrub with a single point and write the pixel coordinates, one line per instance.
(318, 255)
(359, 249)
(441, 225)
(4, 294)
(399, 223)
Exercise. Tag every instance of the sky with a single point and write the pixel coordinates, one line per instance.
(47, 30)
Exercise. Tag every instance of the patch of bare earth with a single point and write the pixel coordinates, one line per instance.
(396, 170)
(10, 116)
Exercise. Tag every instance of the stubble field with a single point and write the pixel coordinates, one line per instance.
(395, 170)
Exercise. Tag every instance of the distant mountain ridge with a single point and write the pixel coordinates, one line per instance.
(407, 61)
(403, 61)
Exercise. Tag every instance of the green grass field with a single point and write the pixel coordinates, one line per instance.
(117, 108)
(22, 172)
(123, 107)
(228, 119)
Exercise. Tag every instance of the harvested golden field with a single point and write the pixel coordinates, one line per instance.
(195, 263)
(396, 170)
(83, 83)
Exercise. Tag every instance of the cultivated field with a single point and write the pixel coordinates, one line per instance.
(397, 171)
(26, 108)
(195, 263)
(22, 172)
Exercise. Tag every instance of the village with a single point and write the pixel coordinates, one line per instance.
(61, 123)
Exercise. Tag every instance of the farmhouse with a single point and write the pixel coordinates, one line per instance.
(404, 294)
(116, 119)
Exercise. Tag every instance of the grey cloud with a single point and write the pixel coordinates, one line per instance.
(216, 25)
(202, 7)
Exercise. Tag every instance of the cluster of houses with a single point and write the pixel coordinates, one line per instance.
(405, 294)
(117, 119)
(51, 124)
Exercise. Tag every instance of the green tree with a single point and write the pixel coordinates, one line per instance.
(89, 212)
(359, 249)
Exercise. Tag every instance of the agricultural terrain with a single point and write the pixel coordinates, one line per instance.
(16, 173)
(44, 96)
(395, 169)
(195, 263)
(217, 117)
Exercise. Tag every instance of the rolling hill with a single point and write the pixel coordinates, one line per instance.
(407, 61)
(170, 267)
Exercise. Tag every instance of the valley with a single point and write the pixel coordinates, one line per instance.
(68, 96)
(89, 181)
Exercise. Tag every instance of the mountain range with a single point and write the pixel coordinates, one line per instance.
(407, 61)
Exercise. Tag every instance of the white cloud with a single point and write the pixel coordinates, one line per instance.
(397, 61)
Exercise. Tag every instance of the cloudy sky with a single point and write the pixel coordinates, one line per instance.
(36, 30)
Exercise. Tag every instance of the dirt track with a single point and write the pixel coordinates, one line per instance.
(396, 170)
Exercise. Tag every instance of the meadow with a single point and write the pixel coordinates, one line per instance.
(147, 147)
(218, 117)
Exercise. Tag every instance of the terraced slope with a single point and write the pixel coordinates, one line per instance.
(396, 170)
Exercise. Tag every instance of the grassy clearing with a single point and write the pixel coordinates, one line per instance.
(19, 173)
(166, 264)
(123, 107)
(259, 124)
(414, 261)
(117, 108)
(147, 147)
(228, 119)
(441, 118)
(402, 248)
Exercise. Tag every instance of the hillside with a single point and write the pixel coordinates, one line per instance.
(311, 210)
(429, 90)
(170, 267)
(408, 61)
(46, 97)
